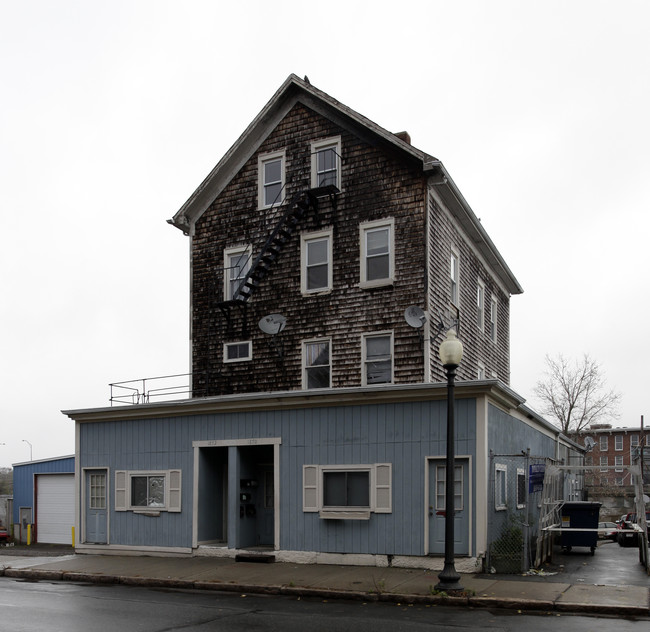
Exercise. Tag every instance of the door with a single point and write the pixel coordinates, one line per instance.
(437, 503)
(96, 507)
(25, 518)
(265, 507)
(55, 496)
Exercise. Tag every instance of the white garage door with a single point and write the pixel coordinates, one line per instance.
(55, 508)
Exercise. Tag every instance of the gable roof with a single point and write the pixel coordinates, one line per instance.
(295, 90)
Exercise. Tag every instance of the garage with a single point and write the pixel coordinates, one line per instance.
(54, 508)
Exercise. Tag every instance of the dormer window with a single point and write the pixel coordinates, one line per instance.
(271, 179)
(326, 163)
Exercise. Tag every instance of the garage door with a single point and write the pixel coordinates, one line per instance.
(55, 508)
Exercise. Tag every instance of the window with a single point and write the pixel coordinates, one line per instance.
(98, 491)
(500, 487)
(377, 359)
(441, 487)
(603, 444)
(604, 462)
(377, 257)
(326, 163)
(454, 275)
(347, 491)
(480, 373)
(271, 179)
(618, 481)
(148, 491)
(634, 444)
(521, 488)
(589, 460)
(493, 319)
(236, 263)
(618, 442)
(480, 306)
(618, 463)
(316, 363)
(237, 351)
(316, 262)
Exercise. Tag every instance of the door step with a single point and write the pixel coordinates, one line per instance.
(259, 558)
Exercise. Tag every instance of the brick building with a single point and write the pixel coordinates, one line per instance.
(613, 449)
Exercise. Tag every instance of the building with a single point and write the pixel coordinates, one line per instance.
(328, 257)
(44, 500)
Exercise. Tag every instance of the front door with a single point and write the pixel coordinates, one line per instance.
(265, 506)
(96, 507)
(437, 500)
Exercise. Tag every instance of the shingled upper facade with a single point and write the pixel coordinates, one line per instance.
(318, 214)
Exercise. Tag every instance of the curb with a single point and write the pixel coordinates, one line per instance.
(326, 593)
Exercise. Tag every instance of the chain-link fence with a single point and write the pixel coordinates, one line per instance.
(514, 502)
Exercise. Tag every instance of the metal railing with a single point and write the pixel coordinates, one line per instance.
(151, 389)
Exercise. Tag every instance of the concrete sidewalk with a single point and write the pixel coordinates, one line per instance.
(331, 582)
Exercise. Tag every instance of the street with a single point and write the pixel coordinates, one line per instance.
(43, 606)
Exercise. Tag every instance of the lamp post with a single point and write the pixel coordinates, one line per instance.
(451, 353)
(30, 448)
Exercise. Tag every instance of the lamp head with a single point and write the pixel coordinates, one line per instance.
(451, 350)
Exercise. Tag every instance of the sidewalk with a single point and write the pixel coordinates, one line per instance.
(331, 582)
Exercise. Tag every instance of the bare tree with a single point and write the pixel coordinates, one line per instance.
(575, 394)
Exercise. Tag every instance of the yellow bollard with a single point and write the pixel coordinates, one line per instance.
(73, 537)
(29, 534)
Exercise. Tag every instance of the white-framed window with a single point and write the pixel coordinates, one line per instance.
(480, 306)
(618, 443)
(271, 179)
(604, 462)
(500, 487)
(480, 372)
(377, 358)
(441, 488)
(236, 263)
(634, 444)
(317, 371)
(618, 481)
(521, 488)
(347, 491)
(326, 162)
(454, 276)
(603, 443)
(316, 261)
(238, 351)
(494, 306)
(618, 463)
(148, 490)
(377, 253)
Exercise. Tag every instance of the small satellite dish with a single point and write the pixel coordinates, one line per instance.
(589, 443)
(414, 316)
(273, 324)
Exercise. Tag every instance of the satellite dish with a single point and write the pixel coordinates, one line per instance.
(273, 324)
(589, 443)
(414, 316)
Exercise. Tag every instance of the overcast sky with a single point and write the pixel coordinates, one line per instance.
(113, 112)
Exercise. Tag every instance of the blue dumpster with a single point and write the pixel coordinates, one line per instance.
(580, 515)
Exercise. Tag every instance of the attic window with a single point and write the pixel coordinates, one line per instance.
(326, 163)
(271, 171)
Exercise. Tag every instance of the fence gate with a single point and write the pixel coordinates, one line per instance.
(514, 501)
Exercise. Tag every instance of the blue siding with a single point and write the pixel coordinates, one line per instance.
(23, 479)
(402, 434)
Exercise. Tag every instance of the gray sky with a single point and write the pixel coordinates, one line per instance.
(114, 111)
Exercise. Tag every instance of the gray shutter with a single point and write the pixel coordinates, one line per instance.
(310, 487)
(383, 488)
(120, 490)
(174, 490)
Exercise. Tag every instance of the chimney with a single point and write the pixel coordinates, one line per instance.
(405, 136)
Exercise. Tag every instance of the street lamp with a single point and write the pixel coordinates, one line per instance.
(30, 448)
(451, 353)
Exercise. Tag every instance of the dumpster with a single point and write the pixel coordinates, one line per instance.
(580, 515)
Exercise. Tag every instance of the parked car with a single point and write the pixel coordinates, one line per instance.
(608, 531)
(4, 535)
(627, 536)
